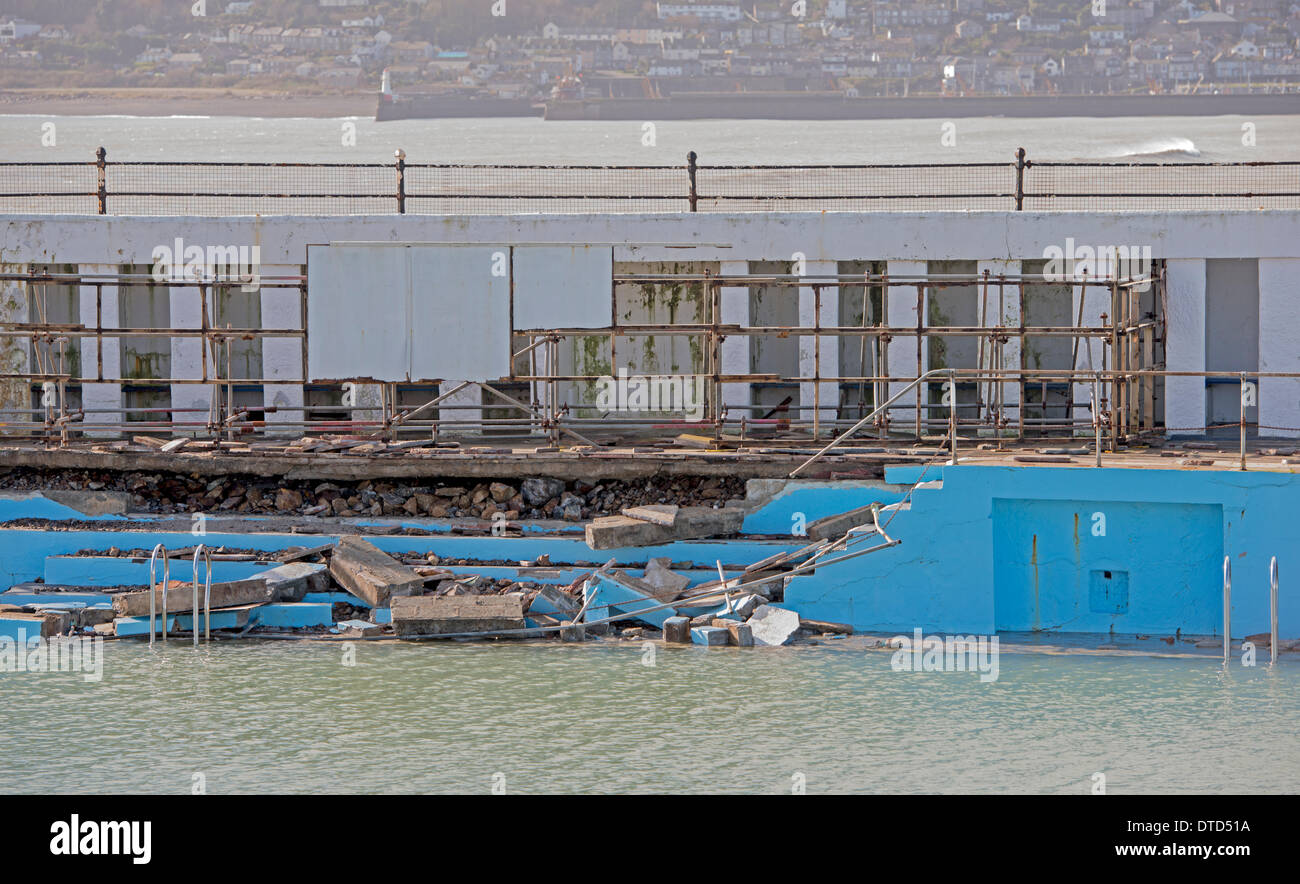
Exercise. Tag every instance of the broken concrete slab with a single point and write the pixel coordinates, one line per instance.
(622, 597)
(92, 503)
(370, 574)
(835, 527)
(20, 624)
(290, 582)
(744, 606)
(656, 514)
(617, 532)
(180, 597)
(554, 601)
(710, 636)
(427, 615)
(362, 628)
(826, 626)
(665, 584)
(773, 626)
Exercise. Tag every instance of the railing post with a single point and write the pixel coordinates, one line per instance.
(690, 174)
(400, 155)
(1020, 178)
(102, 192)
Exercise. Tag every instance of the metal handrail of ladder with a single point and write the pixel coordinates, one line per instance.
(153, 591)
(207, 596)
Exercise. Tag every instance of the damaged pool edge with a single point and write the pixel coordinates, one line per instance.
(982, 549)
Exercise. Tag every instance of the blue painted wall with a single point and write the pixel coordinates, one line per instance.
(995, 548)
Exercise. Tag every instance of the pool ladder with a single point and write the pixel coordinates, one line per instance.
(194, 610)
(1272, 609)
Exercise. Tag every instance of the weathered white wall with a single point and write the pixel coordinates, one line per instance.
(1279, 350)
(1185, 347)
(100, 396)
(901, 239)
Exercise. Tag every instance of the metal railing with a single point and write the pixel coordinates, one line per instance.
(243, 188)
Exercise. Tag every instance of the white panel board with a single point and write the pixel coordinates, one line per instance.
(563, 287)
(460, 316)
(407, 313)
(357, 306)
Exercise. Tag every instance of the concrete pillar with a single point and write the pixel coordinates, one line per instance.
(735, 348)
(825, 364)
(901, 312)
(1185, 346)
(15, 354)
(1086, 307)
(282, 357)
(1009, 310)
(93, 395)
(1279, 345)
(187, 359)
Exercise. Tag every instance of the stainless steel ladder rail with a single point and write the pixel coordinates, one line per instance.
(1227, 608)
(1272, 609)
(207, 595)
(153, 591)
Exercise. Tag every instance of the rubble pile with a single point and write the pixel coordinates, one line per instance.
(532, 498)
(353, 589)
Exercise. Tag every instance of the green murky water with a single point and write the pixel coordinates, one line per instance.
(278, 716)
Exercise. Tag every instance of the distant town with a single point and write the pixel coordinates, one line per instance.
(520, 50)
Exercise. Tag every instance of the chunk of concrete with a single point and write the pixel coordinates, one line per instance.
(710, 636)
(430, 615)
(825, 626)
(742, 634)
(677, 630)
(665, 515)
(835, 527)
(616, 532)
(290, 582)
(363, 628)
(622, 596)
(744, 606)
(773, 626)
(666, 584)
(180, 597)
(554, 601)
(370, 574)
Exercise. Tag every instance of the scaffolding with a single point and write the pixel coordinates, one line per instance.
(1107, 384)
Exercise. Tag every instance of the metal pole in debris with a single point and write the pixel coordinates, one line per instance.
(726, 593)
(1227, 608)
(1272, 609)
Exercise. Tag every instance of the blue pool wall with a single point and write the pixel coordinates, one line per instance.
(982, 549)
(1000, 548)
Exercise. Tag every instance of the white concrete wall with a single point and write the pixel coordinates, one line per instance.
(1009, 308)
(96, 396)
(1279, 332)
(819, 399)
(735, 349)
(15, 355)
(1088, 304)
(902, 239)
(282, 357)
(1185, 345)
(900, 358)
